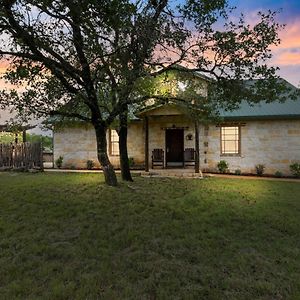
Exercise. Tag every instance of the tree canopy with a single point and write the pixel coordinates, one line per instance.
(86, 59)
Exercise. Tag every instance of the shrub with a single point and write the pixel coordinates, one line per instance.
(295, 169)
(90, 164)
(260, 169)
(278, 174)
(59, 162)
(222, 166)
(237, 172)
(131, 161)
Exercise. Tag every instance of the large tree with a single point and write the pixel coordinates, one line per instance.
(65, 52)
(86, 59)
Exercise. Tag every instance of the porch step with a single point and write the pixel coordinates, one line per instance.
(172, 174)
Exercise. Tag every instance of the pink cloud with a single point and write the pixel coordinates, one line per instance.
(286, 55)
(3, 67)
(288, 52)
(287, 58)
(290, 35)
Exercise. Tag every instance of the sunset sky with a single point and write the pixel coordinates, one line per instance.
(287, 55)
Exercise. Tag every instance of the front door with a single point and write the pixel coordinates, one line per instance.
(174, 145)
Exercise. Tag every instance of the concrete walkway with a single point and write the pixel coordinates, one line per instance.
(86, 171)
(179, 173)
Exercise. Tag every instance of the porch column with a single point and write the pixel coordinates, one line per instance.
(146, 124)
(197, 152)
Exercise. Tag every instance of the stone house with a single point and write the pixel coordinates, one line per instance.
(265, 133)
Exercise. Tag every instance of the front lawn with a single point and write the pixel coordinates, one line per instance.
(68, 236)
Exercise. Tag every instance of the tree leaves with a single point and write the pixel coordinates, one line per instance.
(93, 58)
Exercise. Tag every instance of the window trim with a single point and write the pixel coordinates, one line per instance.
(239, 142)
(112, 142)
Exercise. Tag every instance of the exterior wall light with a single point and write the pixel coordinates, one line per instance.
(189, 137)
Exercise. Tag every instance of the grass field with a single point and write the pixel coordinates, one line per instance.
(68, 236)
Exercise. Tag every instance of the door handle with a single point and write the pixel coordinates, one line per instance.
(167, 150)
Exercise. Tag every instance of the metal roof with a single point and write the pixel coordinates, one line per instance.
(263, 110)
(290, 108)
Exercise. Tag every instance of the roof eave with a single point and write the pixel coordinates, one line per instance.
(263, 117)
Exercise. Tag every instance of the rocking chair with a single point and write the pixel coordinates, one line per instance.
(189, 157)
(158, 159)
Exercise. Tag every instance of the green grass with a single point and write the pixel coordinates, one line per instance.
(68, 236)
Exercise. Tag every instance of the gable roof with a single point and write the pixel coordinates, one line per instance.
(288, 109)
(274, 110)
(159, 110)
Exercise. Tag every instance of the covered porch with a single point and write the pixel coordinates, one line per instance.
(171, 140)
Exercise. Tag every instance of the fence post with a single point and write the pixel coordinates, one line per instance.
(27, 155)
(41, 156)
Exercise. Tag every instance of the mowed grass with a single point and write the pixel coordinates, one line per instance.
(68, 236)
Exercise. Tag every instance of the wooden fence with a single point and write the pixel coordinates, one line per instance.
(21, 156)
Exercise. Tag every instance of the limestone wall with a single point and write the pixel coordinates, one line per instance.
(276, 144)
(77, 144)
(136, 144)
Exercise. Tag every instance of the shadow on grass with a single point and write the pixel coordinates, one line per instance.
(68, 236)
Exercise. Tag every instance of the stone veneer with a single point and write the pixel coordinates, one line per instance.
(274, 143)
(77, 144)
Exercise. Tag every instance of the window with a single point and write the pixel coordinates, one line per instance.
(114, 142)
(230, 140)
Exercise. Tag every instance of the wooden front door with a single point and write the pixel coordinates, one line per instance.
(174, 145)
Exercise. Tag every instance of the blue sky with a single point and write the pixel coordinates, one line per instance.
(290, 9)
(287, 55)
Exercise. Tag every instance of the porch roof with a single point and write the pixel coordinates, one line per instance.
(289, 109)
(168, 109)
(7, 128)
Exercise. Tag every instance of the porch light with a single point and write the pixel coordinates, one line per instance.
(189, 137)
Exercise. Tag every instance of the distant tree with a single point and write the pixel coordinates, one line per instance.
(86, 59)
(47, 141)
(10, 137)
(7, 137)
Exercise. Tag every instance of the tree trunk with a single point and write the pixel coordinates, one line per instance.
(108, 170)
(124, 159)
